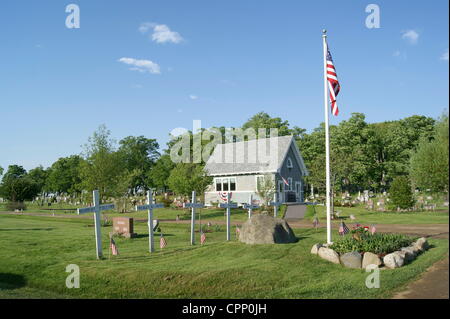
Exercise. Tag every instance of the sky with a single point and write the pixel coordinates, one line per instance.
(148, 67)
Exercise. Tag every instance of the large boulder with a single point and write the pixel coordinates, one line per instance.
(264, 229)
(421, 244)
(351, 259)
(371, 259)
(315, 249)
(329, 254)
(393, 260)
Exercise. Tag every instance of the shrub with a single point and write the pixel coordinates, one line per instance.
(12, 206)
(401, 194)
(378, 243)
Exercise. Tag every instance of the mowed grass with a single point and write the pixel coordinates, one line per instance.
(365, 216)
(36, 251)
(362, 215)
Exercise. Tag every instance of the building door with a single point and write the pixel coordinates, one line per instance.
(298, 191)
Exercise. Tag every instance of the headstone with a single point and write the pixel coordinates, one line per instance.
(124, 226)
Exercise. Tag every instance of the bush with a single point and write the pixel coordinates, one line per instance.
(12, 206)
(378, 243)
(401, 194)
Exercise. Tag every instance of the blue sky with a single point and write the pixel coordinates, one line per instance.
(215, 61)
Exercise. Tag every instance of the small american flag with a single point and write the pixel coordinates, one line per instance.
(373, 229)
(316, 222)
(333, 83)
(113, 246)
(202, 238)
(285, 181)
(238, 231)
(162, 242)
(343, 229)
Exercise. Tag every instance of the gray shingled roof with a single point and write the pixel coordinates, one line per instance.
(233, 158)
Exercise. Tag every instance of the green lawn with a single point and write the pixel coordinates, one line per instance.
(36, 251)
(362, 215)
(365, 216)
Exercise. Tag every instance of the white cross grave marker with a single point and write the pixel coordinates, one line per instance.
(96, 209)
(149, 207)
(275, 205)
(250, 206)
(228, 205)
(193, 205)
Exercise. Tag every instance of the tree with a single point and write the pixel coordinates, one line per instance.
(429, 163)
(266, 188)
(188, 177)
(1, 171)
(64, 175)
(17, 186)
(160, 172)
(139, 154)
(39, 175)
(265, 121)
(103, 167)
(401, 194)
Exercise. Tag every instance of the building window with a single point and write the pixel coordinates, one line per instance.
(225, 185)
(280, 186)
(289, 163)
(218, 184)
(232, 184)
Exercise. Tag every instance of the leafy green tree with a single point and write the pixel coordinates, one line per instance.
(39, 175)
(64, 175)
(264, 120)
(188, 177)
(103, 167)
(1, 171)
(401, 194)
(139, 154)
(429, 164)
(160, 172)
(17, 186)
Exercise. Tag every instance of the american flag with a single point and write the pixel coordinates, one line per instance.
(113, 246)
(333, 83)
(373, 229)
(238, 231)
(202, 238)
(343, 229)
(285, 181)
(315, 222)
(162, 242)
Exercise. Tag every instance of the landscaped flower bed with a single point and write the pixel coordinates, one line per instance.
(362, 248)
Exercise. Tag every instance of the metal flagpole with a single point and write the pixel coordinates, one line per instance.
(327, 136)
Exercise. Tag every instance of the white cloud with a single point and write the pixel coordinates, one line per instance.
(444, 56)
(411, 36)
(142, 66)
(193, 97)
(161, 33)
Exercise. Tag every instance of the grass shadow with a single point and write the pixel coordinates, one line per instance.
(12, 281)
(15, 229)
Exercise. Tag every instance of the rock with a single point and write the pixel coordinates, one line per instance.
(407, 256)
(371, 259)
(421, 244)
(393, 260)
(408, 253)
(351, 260)
(315, 248)
(329, 254)
(264, 229)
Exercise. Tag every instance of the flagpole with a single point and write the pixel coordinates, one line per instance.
(327, 136)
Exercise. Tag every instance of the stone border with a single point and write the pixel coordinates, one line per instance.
(354, 259)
